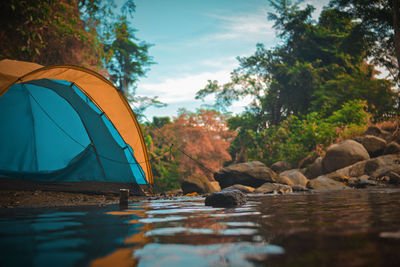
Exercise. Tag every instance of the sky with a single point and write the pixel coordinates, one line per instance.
(199, 40)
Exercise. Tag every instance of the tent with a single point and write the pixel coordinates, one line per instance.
(67, 124)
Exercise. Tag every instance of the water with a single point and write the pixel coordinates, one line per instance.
(352, 228)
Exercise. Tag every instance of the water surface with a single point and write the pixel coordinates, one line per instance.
(348, 228)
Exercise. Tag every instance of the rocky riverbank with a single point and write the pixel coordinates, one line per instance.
(370, 160)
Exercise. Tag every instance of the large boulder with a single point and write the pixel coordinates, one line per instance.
(323, 183)
(295, 176)
(375, 168)
(373, 144)
(252, 174)
(274, 188)
(315, 169)
(197, 183)
(343, 154)
(376, 131)
(226, 198)
(281, 166)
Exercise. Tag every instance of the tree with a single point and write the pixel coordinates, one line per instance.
(48, 32)
(129, 58)
(87, 33)
(298, 76)
(381, 22)
(193, 143)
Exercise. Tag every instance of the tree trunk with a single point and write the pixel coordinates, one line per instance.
(396, 26)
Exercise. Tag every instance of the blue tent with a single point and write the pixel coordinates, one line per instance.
(53, 130)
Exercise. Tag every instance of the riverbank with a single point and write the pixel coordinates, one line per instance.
(38, 198)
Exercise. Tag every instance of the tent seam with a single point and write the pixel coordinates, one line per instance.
(33, 126)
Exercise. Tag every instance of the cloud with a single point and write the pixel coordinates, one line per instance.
(182, 89)
(245, 27)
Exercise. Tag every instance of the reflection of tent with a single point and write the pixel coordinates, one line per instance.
(67, 124)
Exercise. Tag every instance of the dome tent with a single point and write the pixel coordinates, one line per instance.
(67, 124)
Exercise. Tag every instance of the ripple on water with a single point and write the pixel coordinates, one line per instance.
(169, 231)
(181, 210)
(162, 219)
(227, 254)
(235, 214)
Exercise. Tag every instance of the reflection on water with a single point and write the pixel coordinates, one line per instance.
(349, 228)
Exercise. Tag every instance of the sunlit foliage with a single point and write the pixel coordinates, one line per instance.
(193, 143)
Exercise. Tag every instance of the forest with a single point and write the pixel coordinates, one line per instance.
(327, 79)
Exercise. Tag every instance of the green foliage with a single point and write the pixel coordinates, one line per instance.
(295, 138)
(380, 21)
(316, 68)
(129, 58)
(89, 33)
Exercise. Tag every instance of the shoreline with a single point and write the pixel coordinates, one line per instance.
(47, 199)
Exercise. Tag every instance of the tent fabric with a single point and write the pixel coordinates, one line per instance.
(73, 116)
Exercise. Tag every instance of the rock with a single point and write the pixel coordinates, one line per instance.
(361, 182)
(373, 144)
(376, 131)
(299, 188)
(325, 183)
(281, 166)
(296, 177)
(226, 198)
(382, 166)
(274, 188)
(342, 155)
(284, 180)
(392, 148)
(243, 188)
(364, 181)
(252, 174)
(197, 183)
(215, 186)
(315, 169)
(376, 168)
(307, 161)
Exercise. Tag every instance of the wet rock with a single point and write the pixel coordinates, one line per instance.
(315, 169)
(197, 183)
(281, 166)
(342, 155)
(392, 148)
(226, 198)
(362, 181)
(376, 131)
(252, 174)
(307, 161)
(243, 188)
(299, 188)
(274, 188)
(324, 183)
(373, 144)
(296, 177)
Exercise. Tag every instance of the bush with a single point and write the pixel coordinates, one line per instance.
(295, 138)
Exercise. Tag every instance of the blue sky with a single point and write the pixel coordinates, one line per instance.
(195, 41)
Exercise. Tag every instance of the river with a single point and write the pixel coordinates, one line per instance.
(337, 228)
